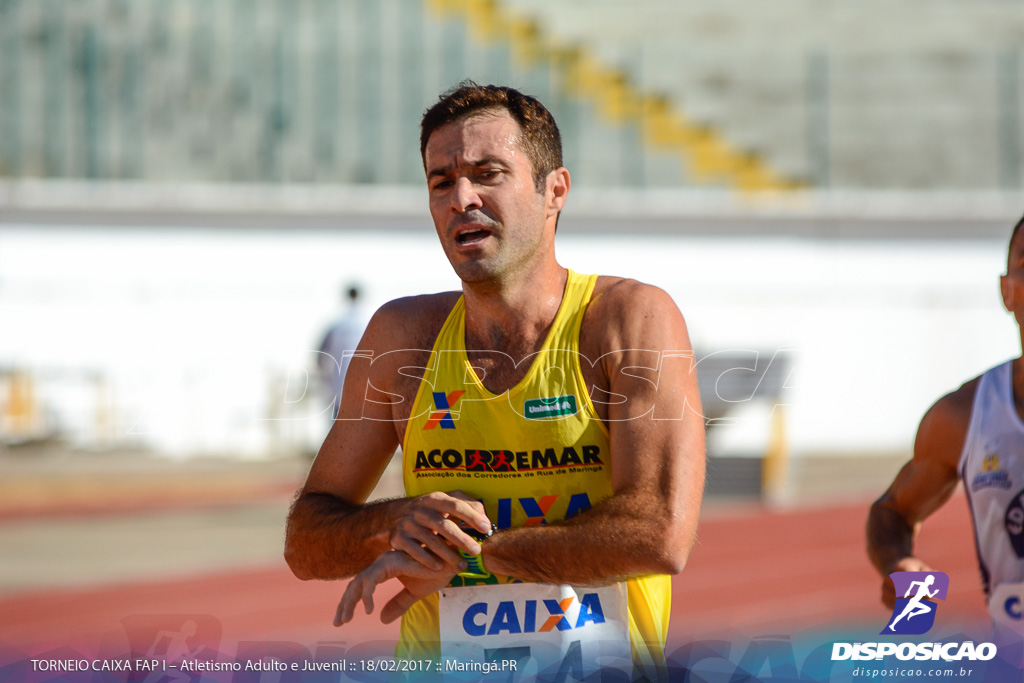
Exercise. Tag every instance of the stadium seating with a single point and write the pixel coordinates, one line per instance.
(655, 93)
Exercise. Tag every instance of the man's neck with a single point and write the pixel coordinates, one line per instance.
(514, 318)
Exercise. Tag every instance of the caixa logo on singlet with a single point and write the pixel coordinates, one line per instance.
(444, 404)
(532, 616)
(1015, 523)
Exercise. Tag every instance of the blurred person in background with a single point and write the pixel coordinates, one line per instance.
(338, 345)
(550, 424)
(974, 434)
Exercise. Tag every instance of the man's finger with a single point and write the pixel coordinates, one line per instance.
(453, 533)
(343, 615)
(397, 606)
(369, 586)
(429, 548)
(437, 545)
(455, 504)
(470, 511)
(415, 550)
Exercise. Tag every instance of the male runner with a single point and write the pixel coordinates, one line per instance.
(975, 434)
(560, 407)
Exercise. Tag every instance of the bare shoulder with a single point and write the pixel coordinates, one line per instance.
(928, 480)
(626, 313)
(411, 322)
(943, 429)
(956, 406)
(626, 291)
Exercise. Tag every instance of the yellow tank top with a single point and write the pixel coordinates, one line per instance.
(535, 454)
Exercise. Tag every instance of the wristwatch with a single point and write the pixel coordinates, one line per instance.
(475, 563)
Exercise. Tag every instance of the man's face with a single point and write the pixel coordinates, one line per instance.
(1012, 284)
(486, 210)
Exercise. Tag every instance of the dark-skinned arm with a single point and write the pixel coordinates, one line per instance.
(920, 488)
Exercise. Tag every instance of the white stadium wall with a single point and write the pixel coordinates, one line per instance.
(190, 339)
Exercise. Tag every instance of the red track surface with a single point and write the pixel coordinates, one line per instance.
(753, 572)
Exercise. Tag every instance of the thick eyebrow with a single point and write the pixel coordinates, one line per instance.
(486, 161)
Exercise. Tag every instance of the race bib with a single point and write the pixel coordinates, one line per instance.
(1006, 606)
(533, 629)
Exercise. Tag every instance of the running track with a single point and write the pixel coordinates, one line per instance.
(753, 572)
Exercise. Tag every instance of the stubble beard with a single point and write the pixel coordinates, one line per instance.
(499, 268)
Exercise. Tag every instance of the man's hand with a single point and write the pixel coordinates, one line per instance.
(418, 582)
(428, 528)
(906, 564)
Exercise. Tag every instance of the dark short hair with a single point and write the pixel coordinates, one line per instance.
(541, 141)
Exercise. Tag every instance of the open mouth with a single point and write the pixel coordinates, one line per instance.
(472, 236)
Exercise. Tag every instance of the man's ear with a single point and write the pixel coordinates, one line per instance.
(558, 185)
(1006, 289)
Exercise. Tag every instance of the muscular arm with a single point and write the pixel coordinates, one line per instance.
(920, 488)
(649, 523)
(331, 532)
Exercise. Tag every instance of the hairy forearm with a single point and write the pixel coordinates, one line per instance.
(890, 538)
(327, 538)
(608, 543)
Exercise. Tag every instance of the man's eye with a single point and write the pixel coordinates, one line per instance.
(441, 184)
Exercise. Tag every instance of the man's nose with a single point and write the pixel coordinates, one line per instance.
(464, 196)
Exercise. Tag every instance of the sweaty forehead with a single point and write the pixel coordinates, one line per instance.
(482, 134)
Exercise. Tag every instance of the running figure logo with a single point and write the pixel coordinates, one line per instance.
(914, 613)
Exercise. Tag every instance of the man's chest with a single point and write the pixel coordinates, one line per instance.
(497, 372)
